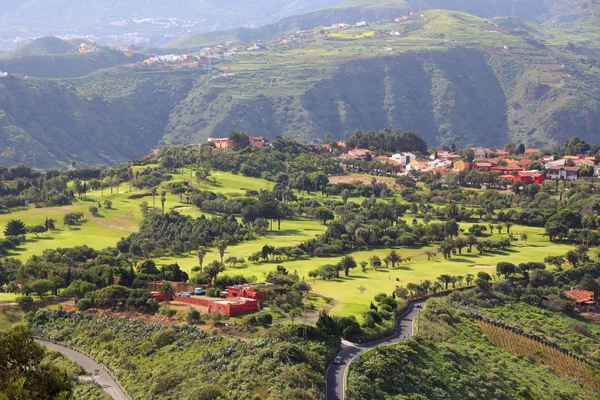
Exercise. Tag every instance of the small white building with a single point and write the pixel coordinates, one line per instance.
(404, 158)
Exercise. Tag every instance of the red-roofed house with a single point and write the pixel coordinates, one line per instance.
(483, 166)
(531, 151)
(581, 297)
(530, 177)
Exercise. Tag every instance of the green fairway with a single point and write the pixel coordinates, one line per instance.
(351, 295)
(345, 290)
(124, 216)
(7, 297)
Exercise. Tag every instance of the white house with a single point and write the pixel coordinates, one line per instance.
(404, 158)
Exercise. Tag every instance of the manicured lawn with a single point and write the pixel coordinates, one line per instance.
(7, 296)
(345, 291)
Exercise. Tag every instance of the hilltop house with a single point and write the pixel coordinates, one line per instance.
(562, 172)
(224, 143)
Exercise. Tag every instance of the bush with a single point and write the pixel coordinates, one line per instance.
(94, 211)
(84, 304)
(193, 317)
(163, 338)
(264, 319)
(25, 303)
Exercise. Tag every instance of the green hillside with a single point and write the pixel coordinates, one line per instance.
(440, 73)
(98, 120)
(41, 47)
(64, 65)
(353, 11)
(446, 73)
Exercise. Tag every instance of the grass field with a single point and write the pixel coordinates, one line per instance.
(125, 215)
(7, 297)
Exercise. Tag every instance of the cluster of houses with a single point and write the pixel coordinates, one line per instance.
(224, 143)
(515, 167)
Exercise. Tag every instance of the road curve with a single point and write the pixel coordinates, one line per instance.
(103, 378)
(336, 374)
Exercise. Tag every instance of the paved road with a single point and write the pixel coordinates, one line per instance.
(335, 374)
(103, 378)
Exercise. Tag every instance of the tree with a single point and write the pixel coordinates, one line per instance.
(193, 317)
(469, 279)
(362, 289)
(24, 374)
(222, 246)
(154, 192)
(167, 290)
(201, 254)
(508, 225)
(36, 229)
(347, 263)
(524, 237)
(393, 257)
(15, 227)
(345, 196)
(557, 261)
(78, 289)
(375, 262)
(324, 214)
(505, 268)
(42, 286)
(212, 270)
(363, 266)
(445, 279)
(556, 230)
(94, 211)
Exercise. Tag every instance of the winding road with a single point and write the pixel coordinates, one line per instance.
(336, 374)
(103, 378)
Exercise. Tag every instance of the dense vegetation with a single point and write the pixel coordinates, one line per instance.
(184, 362)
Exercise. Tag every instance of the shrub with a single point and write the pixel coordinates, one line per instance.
(264, 319)
(163, 338)
(581, 329)
(25, 303)
(193, 317)
(84, 304)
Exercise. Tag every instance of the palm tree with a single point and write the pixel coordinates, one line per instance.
(471, 240)
(222, 246)
(154, 193)
(163, 198)
(166, 290)
(469, 278)
(201, 254)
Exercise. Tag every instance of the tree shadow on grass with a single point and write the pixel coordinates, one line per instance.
(402, 268)
(458, 259)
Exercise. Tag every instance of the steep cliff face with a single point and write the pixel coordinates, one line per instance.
(436, 93)
(47, 123)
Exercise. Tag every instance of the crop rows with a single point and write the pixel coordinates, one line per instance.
(563, 364)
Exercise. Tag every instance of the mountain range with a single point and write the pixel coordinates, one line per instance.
(533, 78)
